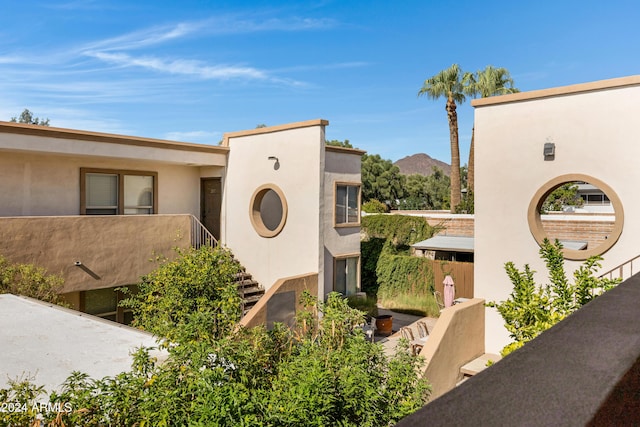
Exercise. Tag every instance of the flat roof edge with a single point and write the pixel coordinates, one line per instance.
(558, 91)
(345, 150)
(271, 129)
(81, 135)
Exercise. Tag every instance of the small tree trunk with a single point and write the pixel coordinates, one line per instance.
(471, 166)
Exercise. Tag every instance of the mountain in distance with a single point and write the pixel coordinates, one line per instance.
(422, 164)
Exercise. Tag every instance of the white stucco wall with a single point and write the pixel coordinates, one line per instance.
(338, 241)
(297, 249)
(595, 133)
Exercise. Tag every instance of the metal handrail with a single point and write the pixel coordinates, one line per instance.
(628, 265)
(200, 235)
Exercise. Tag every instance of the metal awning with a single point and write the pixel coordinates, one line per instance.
(446, 243)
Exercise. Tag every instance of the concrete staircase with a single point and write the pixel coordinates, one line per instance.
(249, 290)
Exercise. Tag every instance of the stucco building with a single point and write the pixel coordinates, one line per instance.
(528, 144)
(95, 207)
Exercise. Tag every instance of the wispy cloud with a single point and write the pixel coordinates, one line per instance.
(144, 38)
(180, 66)
(213, 26)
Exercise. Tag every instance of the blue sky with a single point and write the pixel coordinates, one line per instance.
(192, 70)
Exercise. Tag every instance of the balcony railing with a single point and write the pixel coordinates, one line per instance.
(624, 270)
(200, 235)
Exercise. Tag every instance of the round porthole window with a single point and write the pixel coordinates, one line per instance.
(268, 210)
(580, 211)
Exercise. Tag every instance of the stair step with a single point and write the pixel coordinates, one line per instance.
(252, 299)
(243, 275)
(479, 364)
(251, 290)
(246, 284)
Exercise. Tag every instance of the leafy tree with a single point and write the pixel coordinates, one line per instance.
(189, 297)
(381, 180)
(427, 192)
(448, 84)
(532, 309)
(484, 83)
(27, 117)
(337, 143)
(565, 195)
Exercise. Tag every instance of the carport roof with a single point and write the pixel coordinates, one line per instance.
(446, 243)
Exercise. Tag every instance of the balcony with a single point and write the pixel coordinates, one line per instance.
(93, 252)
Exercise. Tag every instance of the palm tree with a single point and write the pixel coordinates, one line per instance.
(448, 84)
(484, 83)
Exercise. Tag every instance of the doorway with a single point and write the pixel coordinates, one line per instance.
(211, 204)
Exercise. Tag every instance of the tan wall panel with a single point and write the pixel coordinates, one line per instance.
(457, 339)
(113, 250)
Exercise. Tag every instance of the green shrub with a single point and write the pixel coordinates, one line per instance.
(367, 304)
(193, 297)
(323, 372)
(401, 230)
(375, 206)
(532, 309)
(370, 251)
(398, 274)
(30, 281)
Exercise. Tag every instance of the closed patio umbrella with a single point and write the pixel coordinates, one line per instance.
(449, 291)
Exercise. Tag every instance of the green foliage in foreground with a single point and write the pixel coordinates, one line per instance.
(322, 372)
(532, 309)
(30, 281)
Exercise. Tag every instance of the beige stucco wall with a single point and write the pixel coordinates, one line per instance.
(299, 284)
(594, 134)
(39, 184)
(457, 339)
(296, 250)
(338, 241)
(112, 250)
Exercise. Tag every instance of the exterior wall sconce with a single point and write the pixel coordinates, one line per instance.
(78, 263)
(276, 165)
(549, 150)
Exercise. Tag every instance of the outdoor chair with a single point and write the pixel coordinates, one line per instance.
(423, 330)
(438, 296)
(407, 334)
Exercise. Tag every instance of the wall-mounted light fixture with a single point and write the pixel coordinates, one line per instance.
(549, 150)
(276, 165)
(77, 263)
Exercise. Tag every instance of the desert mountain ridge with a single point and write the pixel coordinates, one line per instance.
(422, 164)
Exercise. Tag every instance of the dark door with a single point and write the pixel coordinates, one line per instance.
(211, 202)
